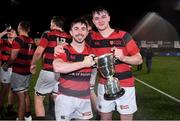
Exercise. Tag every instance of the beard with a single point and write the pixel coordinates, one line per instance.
(79, 40)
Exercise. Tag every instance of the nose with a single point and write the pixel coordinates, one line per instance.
(80, 31)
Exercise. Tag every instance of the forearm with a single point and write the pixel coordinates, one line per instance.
(133, 60)
(37, 54)
(13, 56)
(93, 79)
(35, 58)
(2, 34)
(66, 67)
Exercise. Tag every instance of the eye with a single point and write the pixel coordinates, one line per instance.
(83, 28)
(96, 18)
(104, 16)
(76, 28)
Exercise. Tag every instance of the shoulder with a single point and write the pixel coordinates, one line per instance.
(126, 36)
(67, 47)
(93, 33)
(122, 32)
(18, 38)
(45, 33)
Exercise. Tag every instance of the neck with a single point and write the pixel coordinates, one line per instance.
(10, 39)
(24, 34)
(106, 32)
(57, 28)
(79, 47)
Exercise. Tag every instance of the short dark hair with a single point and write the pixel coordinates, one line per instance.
(25, 25)
(88, 18)
(98, 10)
(78, 20)
(58, 20)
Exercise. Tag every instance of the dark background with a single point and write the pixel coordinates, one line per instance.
(125, 14)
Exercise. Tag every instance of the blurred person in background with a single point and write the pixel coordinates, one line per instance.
(5, 47)
(142, 52)
(47, 78)
(149, 56)
(23, 47)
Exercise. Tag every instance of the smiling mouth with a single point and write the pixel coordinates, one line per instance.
(101, 24)
(79, 35)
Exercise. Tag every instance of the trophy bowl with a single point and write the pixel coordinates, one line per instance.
(105, 64)
(106, 59)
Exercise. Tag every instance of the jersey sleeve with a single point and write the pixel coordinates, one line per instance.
(131, 45)
(88, 38)
(44, 40)
(61, 56)
(17, 43)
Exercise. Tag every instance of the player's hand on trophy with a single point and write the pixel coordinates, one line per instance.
(89, 60)
(118, 53)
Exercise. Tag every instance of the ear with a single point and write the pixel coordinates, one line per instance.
(70, 32)
(93, 20)
(109, 18)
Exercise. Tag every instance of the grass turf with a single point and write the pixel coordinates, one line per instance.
(152, 105)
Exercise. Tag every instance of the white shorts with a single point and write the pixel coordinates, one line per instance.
(20, 83)
(125, 104)
(67, 108)
(46, 82)
(5, 75)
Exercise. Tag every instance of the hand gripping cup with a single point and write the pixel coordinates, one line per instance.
(105, 65)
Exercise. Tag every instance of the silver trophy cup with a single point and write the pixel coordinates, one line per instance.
(105, 65)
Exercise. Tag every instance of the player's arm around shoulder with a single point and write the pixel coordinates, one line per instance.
(61, 66)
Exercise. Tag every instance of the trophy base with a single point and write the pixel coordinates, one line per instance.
(114, 96)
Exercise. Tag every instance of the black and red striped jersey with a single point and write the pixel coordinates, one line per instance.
(5, 50)
(49, 40)
(75, 83)
(26, 46)
(121, 40)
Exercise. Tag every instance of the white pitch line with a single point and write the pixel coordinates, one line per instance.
(173, 98)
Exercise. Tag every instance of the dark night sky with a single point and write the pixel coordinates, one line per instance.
(124, 13)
